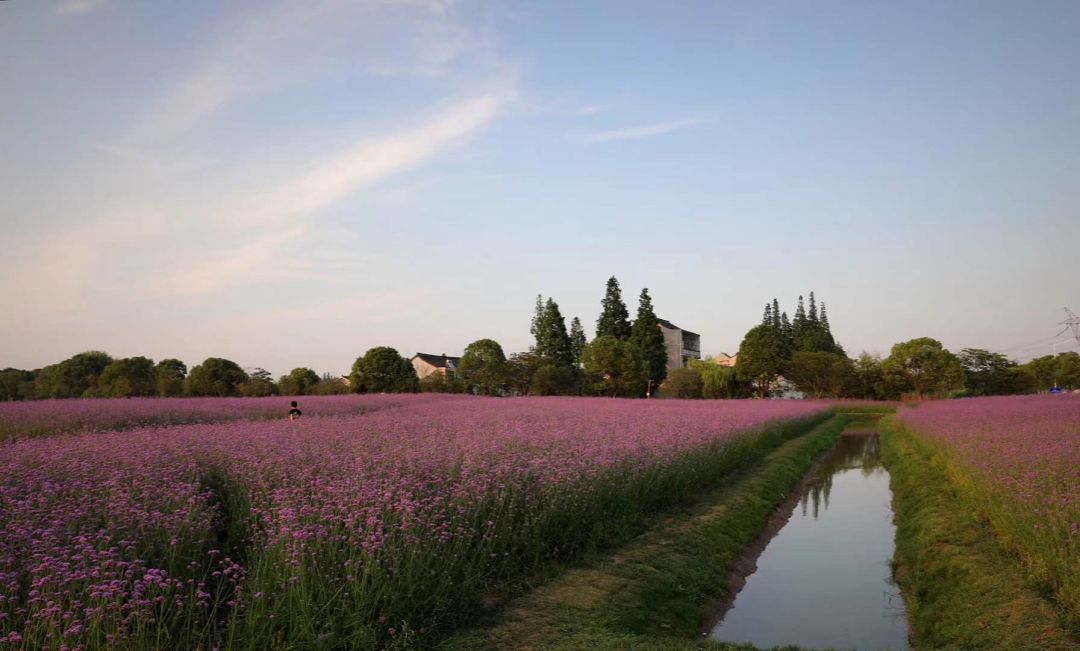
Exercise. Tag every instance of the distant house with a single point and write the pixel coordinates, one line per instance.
(426, 364)
(723, 359)
(682, 345)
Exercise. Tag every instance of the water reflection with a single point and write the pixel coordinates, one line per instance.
(824, 580)
(854, 451)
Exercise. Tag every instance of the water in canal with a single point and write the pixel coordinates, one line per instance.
(824, 580)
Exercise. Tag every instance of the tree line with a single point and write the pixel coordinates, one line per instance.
(626, 358)
(95, 374)
(803, 354)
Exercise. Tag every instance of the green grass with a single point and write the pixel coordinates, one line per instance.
(651, 593)
(963, 590)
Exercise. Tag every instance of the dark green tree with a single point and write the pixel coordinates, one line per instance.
(383, 370)
(647, 338)
(216, 377)
(552, 339)
(520, 369)
(127, 378)
(614, 318)
(299, 382)
(819, 374)
(1048, 371)
(483, 368)
(922, 367)
(868, 379)
(13, 384)
(761, 358)
(613, 368)
(992, 374)
(577, 339)
(169, 376)
(74, 377)
(551, 379)
(260, 384)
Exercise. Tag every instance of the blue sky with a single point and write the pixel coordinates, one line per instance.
(291, 183)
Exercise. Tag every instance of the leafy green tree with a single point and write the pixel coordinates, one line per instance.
(216, 377)
(552, 379)
(761, 358)
(299, 382)
(577, 339)
(13, 384)
(383, 370)
(820, 374)
(1048, 371)
(260, 384)
(719, 381)
(169, 376)
(520, 370)
(991, 374)
(483, 367)
(613, 368)
(330, 385)
(868, 378)
(614, 318)
(552, 340)
(923, 367)
(127, 378)
(74, 377)
(685, 383)
(646, 337)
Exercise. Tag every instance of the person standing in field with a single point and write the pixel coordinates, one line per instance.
(294, 413)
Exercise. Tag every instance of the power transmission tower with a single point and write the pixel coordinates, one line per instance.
(1071, 323)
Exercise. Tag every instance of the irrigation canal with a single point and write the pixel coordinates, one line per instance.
(824, 580)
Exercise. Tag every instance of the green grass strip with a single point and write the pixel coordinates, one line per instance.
(963, 589)
(651, 593)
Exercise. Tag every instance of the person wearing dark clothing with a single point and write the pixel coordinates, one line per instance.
(294, 413)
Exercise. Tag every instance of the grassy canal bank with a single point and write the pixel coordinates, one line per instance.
(653, 592)
(962, 588)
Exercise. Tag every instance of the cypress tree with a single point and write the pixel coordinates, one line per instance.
(799, 323)
(538, 317)
(614, 319)
(577, 339)
(553, 342)
(812, 317)
(647, 338)
(787, 335)
(766, 318)
(776, 315)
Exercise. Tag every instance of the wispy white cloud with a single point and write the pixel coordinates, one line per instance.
(328, 180)
(644, 131)
(72, 7)
(370, 161)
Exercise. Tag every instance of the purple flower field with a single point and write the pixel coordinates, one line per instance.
(1017, 460)
(352, 531)
(46, 417)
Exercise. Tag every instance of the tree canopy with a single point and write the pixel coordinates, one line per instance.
(761, 357)
(922, 367)
(383, 370)
(613, 368)
(483, 367)
(216, 377)
(300, 381)
(128, 377)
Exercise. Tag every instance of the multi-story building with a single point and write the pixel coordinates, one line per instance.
(682, 345)
(426, 364)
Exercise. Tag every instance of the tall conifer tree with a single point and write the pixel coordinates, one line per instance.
(614, 318)
(647, 338)
(553, 342)
(577, 339)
